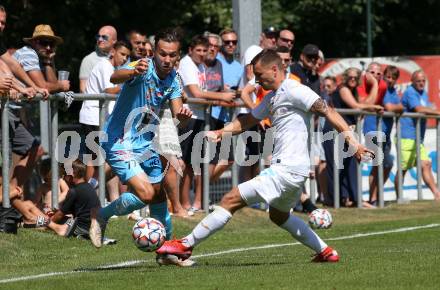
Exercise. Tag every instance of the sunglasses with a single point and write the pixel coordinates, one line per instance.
(230, 42)
(46, 42)
(352, 78)
(103, 37)
(286, 40)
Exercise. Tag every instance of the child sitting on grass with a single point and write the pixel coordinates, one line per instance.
(43, 198)
(79, 200)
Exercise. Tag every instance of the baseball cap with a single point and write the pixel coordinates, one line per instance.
(250, 53)
(310, 50)
(270, 31)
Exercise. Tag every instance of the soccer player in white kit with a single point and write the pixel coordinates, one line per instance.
(289, 106)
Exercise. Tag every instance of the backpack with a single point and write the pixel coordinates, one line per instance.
(9, 219)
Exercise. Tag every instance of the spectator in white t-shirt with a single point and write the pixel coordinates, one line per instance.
(192, 72)
(98, 83)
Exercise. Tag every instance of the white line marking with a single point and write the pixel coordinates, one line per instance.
(136, 262)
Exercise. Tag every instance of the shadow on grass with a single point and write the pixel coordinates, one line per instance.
(146, 265)
(235, 264)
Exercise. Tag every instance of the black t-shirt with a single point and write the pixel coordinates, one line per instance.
(79, 201)
(337, 102)
(3, 48)
(307, 77)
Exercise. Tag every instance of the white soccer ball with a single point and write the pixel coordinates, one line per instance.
(148, 234)
(320, 219)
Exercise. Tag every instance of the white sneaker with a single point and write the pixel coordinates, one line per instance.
(107, 241)
(167, 259)
(97, 228)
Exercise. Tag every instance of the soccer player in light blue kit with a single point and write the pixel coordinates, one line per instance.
(148, 85)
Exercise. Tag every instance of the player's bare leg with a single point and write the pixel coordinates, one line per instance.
(144, 193)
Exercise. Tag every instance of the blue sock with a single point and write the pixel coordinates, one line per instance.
(160, 212)
(125, 204)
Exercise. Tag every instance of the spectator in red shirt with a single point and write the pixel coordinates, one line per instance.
(367, 85)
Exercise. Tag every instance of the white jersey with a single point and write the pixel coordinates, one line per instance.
(288, 108)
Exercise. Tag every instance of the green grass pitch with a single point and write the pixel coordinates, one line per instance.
(408, 259)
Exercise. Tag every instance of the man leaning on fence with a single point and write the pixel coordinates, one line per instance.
(391, 103)
(37, 58)
(415, 99)
(193, 72)
(25, 147)
(13, 65)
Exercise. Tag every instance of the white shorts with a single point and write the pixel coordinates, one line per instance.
(277, 185)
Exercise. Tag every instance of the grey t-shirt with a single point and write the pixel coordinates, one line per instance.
(88, 63)
(214, 77)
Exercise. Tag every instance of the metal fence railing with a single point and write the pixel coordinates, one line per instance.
(214, 191)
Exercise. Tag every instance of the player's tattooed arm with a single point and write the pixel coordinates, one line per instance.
(319, 107)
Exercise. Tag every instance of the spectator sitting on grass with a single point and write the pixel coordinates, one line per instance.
(32, 216)
(80, 199)
(43, 198)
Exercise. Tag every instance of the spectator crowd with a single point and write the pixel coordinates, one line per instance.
(209, 70)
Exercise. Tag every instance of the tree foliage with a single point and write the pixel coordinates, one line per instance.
(337, 26)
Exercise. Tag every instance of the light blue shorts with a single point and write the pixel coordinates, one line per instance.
(127, 162)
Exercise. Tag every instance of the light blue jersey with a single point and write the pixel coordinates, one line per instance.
(138, 105)
(134, 120)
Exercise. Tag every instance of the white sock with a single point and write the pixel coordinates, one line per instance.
(303, 233)
(209, 225)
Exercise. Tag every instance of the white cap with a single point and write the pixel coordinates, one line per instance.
(250, 53)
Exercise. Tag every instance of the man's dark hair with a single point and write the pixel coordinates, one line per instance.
(332, 78)
(46, 167)
(167, 35)
(199, 40)
(283, 49)
(122, 43)
(2, 8)
(393, 70)
(133, 31)
(267, 57)
(45, 164)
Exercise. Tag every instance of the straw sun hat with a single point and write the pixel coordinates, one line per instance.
(44, 31)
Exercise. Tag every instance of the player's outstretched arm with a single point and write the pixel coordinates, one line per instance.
(123, 75)
(180, 112)
(321, 108)
(237, 126)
